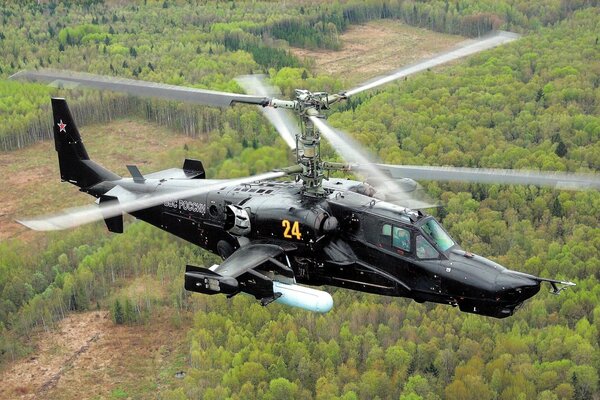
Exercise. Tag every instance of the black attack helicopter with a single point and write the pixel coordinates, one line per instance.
(274, 235)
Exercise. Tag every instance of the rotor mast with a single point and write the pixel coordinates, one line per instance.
(308, 144)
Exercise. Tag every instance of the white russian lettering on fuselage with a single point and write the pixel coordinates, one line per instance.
(186, 205)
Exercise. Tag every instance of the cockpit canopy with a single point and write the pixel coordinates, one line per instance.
(435, 232)
(426, 240)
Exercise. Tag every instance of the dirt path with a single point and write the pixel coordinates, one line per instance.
(87, 356)
(55, 355)
(376, 48)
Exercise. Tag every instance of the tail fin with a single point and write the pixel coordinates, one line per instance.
(75, 164)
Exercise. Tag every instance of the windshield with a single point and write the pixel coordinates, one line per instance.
(439, 236)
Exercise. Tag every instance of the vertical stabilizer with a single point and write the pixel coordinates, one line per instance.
(75, 164)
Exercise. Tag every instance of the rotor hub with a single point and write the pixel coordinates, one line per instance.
(308, 143)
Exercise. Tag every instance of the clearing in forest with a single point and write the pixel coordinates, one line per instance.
(88, 356)
(378, 47)
(31, 176)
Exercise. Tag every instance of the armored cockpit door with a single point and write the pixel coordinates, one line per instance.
(431, 267)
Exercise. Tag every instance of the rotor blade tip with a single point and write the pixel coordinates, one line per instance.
(38, 225)
(508, 34)
(16, 75)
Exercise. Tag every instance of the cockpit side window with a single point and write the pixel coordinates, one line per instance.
(386, 230)
(395, 238)
(385, 236)
(425, 250)
(401, 239)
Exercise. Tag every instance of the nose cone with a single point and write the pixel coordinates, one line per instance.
(515, 288)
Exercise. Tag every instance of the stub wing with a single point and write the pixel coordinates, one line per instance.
(192, 169)
(261, 270)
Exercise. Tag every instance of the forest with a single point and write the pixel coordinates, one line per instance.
(532, 104)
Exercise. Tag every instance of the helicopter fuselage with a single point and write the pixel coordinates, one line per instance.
(344, 239)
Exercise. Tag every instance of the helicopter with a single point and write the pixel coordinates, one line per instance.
(277, 238)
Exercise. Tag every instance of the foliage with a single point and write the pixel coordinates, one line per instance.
(532, 104)
(206, 44)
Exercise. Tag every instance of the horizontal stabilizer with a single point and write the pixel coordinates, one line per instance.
(192, 169)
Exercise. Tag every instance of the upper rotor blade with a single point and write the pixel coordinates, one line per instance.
(559, 180)
(349, 149)
(83, 215)
(280, 118)
(140, 88)
(346, 146)
(470, 47)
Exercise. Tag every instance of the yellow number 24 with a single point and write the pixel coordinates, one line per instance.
(291, 230)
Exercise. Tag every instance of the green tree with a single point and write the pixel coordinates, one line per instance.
(561, 149)
(117, 312)
(281, 388)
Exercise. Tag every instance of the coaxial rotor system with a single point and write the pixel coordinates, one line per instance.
(310, 108)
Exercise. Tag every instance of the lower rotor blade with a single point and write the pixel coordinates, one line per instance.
(471, 47)
(559, 180)
(73, 217)
(139, 88)
(280, 118)
(350, 151)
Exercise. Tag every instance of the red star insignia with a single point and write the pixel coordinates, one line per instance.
(61, 127)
